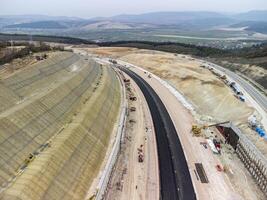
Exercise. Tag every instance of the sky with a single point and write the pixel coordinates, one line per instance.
(105, 8)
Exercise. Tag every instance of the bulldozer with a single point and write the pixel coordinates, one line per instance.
(196, 130)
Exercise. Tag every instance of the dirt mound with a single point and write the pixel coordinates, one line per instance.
(187, 78)
(213, 82)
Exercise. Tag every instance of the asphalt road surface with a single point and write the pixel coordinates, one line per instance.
(254, 93)
(175, 179)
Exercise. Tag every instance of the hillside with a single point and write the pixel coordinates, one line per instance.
(254, 15)
(168, 18)
(200, 28)
(6, 20)
(200, 19)
(255, 26)
(247, 61)
(38, 25)
(56, 118)
(252, 56)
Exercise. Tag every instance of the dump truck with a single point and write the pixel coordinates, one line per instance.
(132, 109)
(140, 158)
(140, 154)
(132, 98)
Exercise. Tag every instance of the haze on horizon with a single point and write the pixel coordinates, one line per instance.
(96, 8)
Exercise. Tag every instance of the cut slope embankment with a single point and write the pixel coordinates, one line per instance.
(26, 82)
(65, 121)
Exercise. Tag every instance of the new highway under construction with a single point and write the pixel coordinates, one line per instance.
(193, 96)
(175, 180)
(84, 125)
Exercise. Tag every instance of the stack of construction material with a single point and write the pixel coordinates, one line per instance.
(260, 131)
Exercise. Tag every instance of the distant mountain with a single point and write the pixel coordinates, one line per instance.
(32, 18)
(6, 20)
(167, 18)
(253, 21)
(200, 24)
(148, 20)
(38, 25)
(255, 15)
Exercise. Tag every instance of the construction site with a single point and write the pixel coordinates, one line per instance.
(126, 123)
(215, 106)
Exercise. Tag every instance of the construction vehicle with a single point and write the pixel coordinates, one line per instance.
(219, 168)
(196, 130)
(223, 77)
(217, 145)
(27, 161)
(113, 61)
(132, 121)
(252, 121)
(132, 109)
(140, 158)
(132, 98)
(140, 154)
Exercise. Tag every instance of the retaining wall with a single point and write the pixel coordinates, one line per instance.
(251, 157)
(254, 164)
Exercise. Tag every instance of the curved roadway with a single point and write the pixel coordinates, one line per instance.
(260, 98)
(175, 179)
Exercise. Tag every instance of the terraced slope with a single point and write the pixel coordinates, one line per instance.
(15, 88)
(53, 141)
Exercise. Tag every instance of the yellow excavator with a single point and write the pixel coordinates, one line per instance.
(196, 130)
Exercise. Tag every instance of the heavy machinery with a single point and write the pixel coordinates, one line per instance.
(113, 61)
(126, 80)
(140, 154)
(223, 77)
(140, 158)
(132, 109)
(133, 98)
(27, 161)
(196, 130)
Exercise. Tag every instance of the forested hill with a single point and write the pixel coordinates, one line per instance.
(250, 52)
(201, 51)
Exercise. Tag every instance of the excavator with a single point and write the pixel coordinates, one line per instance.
(196, 130)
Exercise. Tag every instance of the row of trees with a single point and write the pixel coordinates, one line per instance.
(10, 53)
(201, 51)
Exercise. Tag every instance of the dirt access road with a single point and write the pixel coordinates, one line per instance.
(175, 180)
(132, 179)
